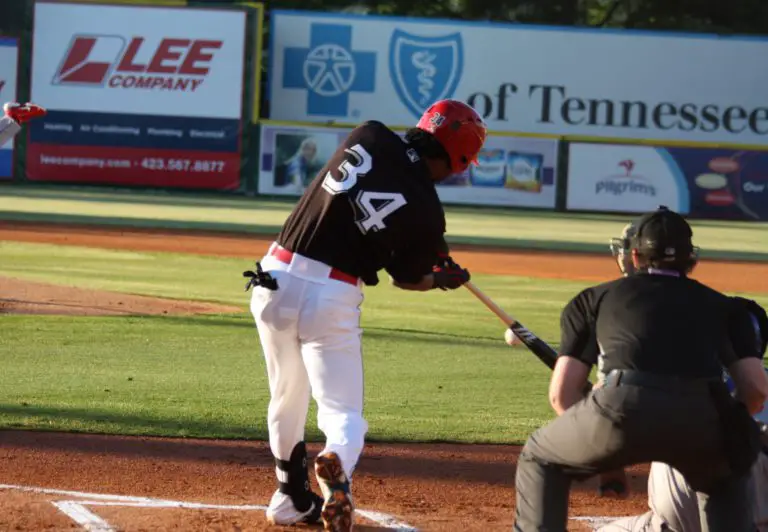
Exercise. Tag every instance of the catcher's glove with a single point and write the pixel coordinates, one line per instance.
(21, 114)
(448, 275)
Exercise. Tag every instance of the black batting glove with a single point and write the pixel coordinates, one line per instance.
(448, 275)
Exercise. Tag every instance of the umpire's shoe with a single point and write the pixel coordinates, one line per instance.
(338, 509)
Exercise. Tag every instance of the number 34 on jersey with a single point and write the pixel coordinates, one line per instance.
(374, 206)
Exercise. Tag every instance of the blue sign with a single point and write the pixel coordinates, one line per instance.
(329, 69)
(424, 69)
(725, 183)
(710, 183)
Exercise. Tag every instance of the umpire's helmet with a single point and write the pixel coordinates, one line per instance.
(663, 238)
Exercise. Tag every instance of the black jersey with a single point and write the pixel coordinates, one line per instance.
(656, 323)
(372, 206)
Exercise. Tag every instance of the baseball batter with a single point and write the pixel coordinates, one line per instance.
(373, 206)
(673, 504)
(14, 116)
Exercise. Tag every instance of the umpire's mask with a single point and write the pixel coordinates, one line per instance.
(620, 249)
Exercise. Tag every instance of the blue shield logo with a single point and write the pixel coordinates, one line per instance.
(424, 69)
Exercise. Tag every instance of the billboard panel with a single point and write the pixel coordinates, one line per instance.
(512, 171)
(134, 100)
(521, 78)
(701, 182)
(9, 57)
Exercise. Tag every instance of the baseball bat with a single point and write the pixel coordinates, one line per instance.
(612, 481)
(536, 345)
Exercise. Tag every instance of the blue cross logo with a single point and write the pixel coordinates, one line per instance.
(329, 69)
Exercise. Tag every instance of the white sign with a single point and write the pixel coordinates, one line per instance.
(560, 81)
(511, 171)
(9, 54)
(605, 177)
(138, 60)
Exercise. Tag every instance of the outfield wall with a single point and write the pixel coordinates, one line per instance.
(579, 118)
(9, 53)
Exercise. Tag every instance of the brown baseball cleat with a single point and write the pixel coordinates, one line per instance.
(21, 114)
(338, 510)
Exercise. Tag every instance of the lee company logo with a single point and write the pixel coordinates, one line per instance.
(113, 61)
(626, 181)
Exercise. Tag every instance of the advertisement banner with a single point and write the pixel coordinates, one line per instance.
(9, 57)
(133, 100)
(512, 171)
(700, 182)
(521, 78)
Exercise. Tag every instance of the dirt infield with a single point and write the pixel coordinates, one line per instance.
(726, 276)
(53, 481)
(405, 487)
(18, 296)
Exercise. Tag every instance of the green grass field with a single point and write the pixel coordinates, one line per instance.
(499, 227)
(436, 367)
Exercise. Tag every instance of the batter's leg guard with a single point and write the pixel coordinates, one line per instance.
(293, 481)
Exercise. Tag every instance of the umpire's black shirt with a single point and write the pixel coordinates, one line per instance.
(656, 323)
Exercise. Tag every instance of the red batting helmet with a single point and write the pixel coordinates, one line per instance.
(458, 128)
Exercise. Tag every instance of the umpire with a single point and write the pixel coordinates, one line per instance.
(662, 340)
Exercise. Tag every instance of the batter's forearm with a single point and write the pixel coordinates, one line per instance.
(426, 283)
(8, 129)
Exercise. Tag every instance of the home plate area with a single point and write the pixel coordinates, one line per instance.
(106, 513)
(68, 481)
(111, 513)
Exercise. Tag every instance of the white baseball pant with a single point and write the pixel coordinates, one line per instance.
(674, 504)
(310, 334)
(8, 129)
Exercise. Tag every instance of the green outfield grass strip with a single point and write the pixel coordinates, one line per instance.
(435, 364)
(538, 230)
(171, 377)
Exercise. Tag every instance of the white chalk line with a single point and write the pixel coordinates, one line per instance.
(80, 494)
(174, 504)
(77, 511)
(83, 517)
(596, 521)
(387, 521)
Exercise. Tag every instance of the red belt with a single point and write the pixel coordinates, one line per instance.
(285, 256)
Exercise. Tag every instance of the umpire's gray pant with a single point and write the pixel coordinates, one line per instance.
(618, 426)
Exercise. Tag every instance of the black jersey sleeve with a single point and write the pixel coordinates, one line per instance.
(578, 338)
(742, 336)
(416, 260)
